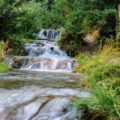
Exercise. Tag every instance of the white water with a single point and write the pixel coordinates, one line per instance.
(27, 95)
(50, 34)
(45, 55)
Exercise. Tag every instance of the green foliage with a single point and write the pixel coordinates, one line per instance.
(28, 20)
(78, 17)
(70, 43)
(18, 22)
(103, 74)
(3, 67)
(1, 45)
(118, 31)
(7, 19)
(81, 15)
(16, 42)
(2, 55)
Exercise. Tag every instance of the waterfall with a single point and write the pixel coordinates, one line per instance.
(45, 55)
(29, 95)
(49, 34)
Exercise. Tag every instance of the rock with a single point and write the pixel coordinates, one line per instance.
(18, 61)
(37, 101)
(92, 37)
(37, 104)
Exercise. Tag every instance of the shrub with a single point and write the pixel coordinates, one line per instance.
(18, 20)
(70, 42)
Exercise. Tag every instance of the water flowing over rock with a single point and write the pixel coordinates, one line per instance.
(42, 85)
(39, 96)
(44, 55)
(48, 34)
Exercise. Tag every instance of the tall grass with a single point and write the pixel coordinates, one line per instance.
(102, 72)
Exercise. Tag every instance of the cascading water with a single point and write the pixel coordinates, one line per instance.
(29, 95)
(50, 34)
(45, 55)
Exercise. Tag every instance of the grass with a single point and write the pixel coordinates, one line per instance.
(3, 67)
(102, 72)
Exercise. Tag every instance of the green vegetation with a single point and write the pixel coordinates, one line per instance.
(2, 50)
(79, 18)
(19, 19)
(102, 72)
(3, 66)
(118, 31)
(98, 19)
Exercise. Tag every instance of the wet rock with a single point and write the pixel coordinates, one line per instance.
(18, 61)
(37, 102)
(65, 64)
(29, 111)
(40, 95)
(43, 55)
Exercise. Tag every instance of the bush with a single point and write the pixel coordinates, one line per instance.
(18, 22)
(29, 17)
(70, 42)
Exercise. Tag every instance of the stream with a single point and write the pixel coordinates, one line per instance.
(42, 85)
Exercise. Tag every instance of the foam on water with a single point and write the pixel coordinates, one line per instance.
(46, 55)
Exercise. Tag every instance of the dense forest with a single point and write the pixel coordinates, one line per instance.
(90, 32)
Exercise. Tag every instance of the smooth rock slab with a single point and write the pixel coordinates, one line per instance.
(36, 103)
(39, 95)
